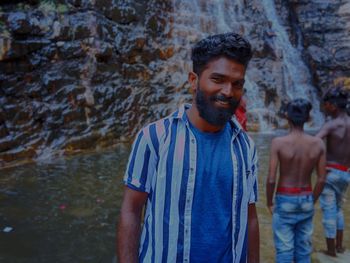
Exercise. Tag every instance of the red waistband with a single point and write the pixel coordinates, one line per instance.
(294, 190)
(338, 167)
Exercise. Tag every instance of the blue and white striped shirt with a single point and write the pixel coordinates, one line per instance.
(163, 164)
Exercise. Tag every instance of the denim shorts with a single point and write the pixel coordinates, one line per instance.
(331, 200)
(292, 227)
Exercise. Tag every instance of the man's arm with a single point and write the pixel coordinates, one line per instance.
(129, 227)
(271, 177)
(253, 235)
(321, 173)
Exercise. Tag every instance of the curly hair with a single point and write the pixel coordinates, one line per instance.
(230, 45)
(337, 96)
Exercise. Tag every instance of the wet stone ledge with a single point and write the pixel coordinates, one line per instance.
(66, 72)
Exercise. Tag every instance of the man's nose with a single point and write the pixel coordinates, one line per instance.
(228, 90)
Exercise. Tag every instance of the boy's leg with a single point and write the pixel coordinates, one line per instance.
(339, 242)
(303, 231)
(329, 217)
(340, 226)
(284, 239)
(330, 247)
(283, 231)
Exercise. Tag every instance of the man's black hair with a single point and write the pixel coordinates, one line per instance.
(298, 111)
(336, 96)
(230, 45)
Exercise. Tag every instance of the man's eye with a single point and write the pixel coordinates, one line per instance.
(217, 80)
(238, 84)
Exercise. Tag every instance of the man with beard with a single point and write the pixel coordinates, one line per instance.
(196, 171)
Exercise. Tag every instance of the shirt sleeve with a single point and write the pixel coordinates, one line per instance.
(141, 165)
(254, 176)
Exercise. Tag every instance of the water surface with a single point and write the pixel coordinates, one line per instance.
(65, 210)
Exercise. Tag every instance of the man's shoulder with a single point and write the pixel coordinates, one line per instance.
(333, 123)
(159, 127)
(280, 139)
(281, 142)
(330, 127)
(169, 119)
(248, 138)
(314, 141)
(248, 141)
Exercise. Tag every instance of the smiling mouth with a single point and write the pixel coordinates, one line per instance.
(225, 104)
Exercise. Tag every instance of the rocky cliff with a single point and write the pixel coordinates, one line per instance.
(82, 74)
(325, 26)
(79, 74)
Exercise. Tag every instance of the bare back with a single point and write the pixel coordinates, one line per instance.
(337, 133)
(298, 154)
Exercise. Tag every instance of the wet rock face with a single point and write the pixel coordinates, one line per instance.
(326, 29)
(78, 74)
(83, 74)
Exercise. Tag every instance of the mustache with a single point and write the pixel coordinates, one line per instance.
(230, 100)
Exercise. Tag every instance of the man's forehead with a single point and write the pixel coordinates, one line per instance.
(223, 60)
(224, 67)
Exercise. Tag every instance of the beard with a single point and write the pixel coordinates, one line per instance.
(214, 115)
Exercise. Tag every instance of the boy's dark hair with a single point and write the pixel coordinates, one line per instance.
(298, 111)
(336, 96)
(230, 45)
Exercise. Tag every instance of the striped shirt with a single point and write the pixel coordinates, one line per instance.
(163, 164)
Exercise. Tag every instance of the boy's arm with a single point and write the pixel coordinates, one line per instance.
(253, 235)
(129, 227)
(324, 131)
(271, 178)
(321, 172)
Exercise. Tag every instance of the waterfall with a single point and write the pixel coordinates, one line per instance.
(197, 19)
(296, 74)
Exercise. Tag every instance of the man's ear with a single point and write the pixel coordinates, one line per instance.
(330, 106)
(193, 80)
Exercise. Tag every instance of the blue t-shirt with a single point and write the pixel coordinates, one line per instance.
(211, 232)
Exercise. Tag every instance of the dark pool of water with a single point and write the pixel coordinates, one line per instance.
(62, 211)
(65, 210)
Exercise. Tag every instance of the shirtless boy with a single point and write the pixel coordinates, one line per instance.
(337, 133)
(296, 154)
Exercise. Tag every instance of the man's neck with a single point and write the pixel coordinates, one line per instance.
(338, 114)
(296, 129)
(342, 114)
(200, 123)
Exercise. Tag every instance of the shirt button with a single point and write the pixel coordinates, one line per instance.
(192, 140)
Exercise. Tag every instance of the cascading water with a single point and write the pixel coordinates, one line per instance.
(194, 20)
(296, 74)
